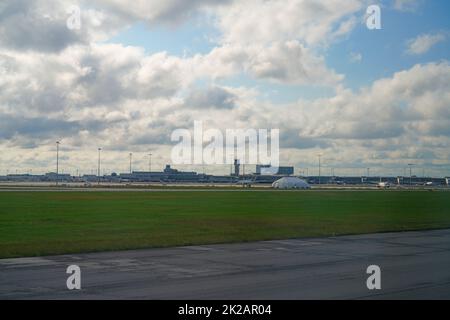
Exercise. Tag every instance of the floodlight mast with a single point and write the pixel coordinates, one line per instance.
(131, 159)
(98, 170)
(150, 163)
(410, 165)
(57, 161)
(320, 158)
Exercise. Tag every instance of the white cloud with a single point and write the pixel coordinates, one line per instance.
(423, 43)
(312, 22)
(356, 57)
(278, 47)
(168, 11)
(408, 109)
(72, 87)
(401, 118)
(41, 25)
(283, 62)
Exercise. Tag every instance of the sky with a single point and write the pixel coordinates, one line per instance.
(130, 74)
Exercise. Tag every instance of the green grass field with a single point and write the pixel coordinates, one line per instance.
(43, 223)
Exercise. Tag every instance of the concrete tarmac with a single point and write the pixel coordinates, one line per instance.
(414, 265)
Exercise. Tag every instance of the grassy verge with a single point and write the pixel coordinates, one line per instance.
(42, 223)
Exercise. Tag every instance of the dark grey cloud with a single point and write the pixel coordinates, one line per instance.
(28, 25)
(438, 128)
(156, 132)
(43, 127)
(168, 12)
(106, 83)
(290, 138)
(213, 97)
(362, 130)
(41, 25)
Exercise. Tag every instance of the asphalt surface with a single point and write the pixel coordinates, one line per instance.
(414, 265)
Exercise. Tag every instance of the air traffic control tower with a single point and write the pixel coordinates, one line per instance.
(237, 166)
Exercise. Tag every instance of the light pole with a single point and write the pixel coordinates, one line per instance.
(410, 165)
(149, 167)
(57, 161)
(98, 170)
(320, 158)
(150, 163)
(131, 158)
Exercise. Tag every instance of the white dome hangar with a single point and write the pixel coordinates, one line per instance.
(291, 183)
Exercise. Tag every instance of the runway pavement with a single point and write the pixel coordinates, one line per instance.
(414, 265)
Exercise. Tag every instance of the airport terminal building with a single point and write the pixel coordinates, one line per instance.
(264, 175)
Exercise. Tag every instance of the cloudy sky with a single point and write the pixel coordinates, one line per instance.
(135, 71)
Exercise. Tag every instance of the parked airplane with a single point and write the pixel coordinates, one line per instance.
(246, 183)
(384, 185)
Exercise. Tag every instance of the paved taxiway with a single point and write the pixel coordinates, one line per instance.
(414, 265)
